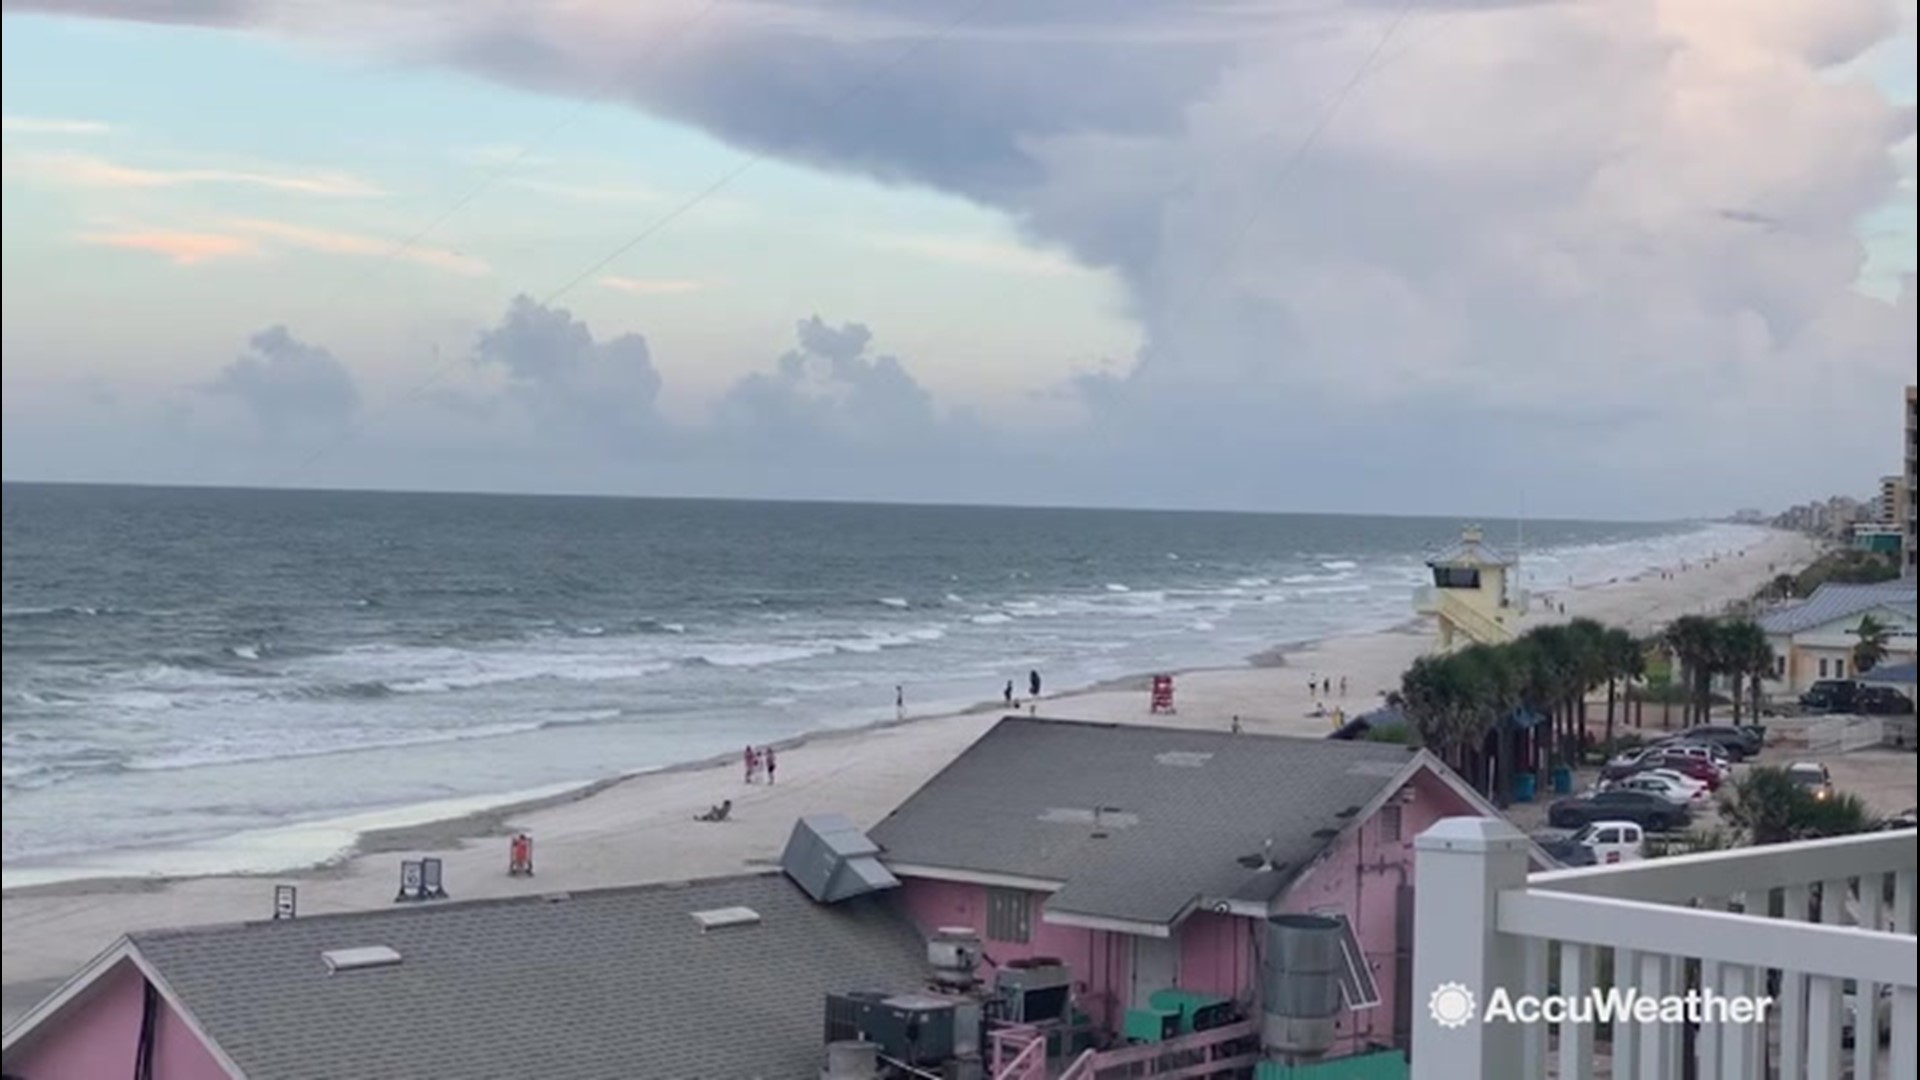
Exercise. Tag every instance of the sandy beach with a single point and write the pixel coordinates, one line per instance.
(641, 829)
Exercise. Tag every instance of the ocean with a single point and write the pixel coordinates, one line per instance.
(188, 665)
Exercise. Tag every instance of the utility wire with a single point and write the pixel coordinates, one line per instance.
(746, 165)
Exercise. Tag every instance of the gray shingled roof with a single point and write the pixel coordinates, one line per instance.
(1837, 601)
(1468, 552)
(1185, 807)
(613, 984)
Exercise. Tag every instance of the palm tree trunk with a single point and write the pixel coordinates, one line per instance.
(1736, 697)
(1612, 690)
(1639, 707)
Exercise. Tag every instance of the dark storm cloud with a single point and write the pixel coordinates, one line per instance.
(1366, 238)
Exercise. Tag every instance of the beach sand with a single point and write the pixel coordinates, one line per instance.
(641, 829)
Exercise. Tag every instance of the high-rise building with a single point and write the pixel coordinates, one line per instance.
(1907, 530)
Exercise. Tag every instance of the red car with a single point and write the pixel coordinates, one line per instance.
(1698, 768)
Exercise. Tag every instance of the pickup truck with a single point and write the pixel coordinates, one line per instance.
(1602, 843)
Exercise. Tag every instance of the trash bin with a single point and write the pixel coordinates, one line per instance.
(1563, 781)
(1523, 787)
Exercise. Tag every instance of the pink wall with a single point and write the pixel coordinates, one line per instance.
(98, 1037)
(1219, 954)
(1098, 959)
(1361, 876)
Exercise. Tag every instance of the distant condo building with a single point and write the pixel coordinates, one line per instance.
(1909, 550)
(1890, 508)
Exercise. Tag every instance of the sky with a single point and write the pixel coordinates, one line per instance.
(1631, 259)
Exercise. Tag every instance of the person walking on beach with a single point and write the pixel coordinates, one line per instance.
(1236, 725)
(1343, 686)
(899, 703)
(753, 763)
(1008, 694)
(1033, 684)
(768, 753)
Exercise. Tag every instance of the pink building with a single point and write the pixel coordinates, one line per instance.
(1151, 858)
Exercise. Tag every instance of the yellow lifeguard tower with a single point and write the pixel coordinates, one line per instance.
(1473, 597)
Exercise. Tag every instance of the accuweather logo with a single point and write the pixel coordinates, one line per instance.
(1452, 1005)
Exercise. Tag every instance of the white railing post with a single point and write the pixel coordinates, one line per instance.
(1462, 865)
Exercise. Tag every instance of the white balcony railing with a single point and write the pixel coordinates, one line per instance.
(1825, 927)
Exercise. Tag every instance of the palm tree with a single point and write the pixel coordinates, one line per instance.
(1452, 699)
(1693, 640)
(1551, 665)
(1743, 652)
(1871, 648)
(1590, 669)
(1623, 661)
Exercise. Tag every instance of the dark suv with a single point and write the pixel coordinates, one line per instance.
(1829, 695)
(1873, 700)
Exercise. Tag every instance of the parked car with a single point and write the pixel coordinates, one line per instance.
(1872, 700)
(1905, 819)
(1814, 777)
(1676, 792)
(1862, 699)
(1691, 767)
(1600, 843)
(1830, 696)
(1740, 741)
(1643, 808)
(1628, 762)
(1706, 753)
(1695, 787)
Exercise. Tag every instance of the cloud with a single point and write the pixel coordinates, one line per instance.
(80, 170)
(570, 385)
(652, 286)
(333, 242)
(982, 254)
(830, 394)
(289, 387)
(1376, 260)
(44, 125)
(179, 246)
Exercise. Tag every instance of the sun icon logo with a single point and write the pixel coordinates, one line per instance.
(1451, 1005)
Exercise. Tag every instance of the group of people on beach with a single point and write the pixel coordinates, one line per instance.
(759, 760)
(1319, 687)
(1033, 689)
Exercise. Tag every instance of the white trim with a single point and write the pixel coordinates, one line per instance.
(1099, 922)
(96, 969)
(1479, 802)
(89, 974)
(186, 1017)
(973, 877)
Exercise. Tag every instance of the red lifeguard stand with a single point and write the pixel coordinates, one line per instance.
(1162, 694)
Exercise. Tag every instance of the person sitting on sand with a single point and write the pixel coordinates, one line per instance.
(718, 813)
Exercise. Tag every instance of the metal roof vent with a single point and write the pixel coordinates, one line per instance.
(370, 956)
(1184, 759)
(717, 918)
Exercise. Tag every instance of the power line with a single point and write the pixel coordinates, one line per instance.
(747, 164)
